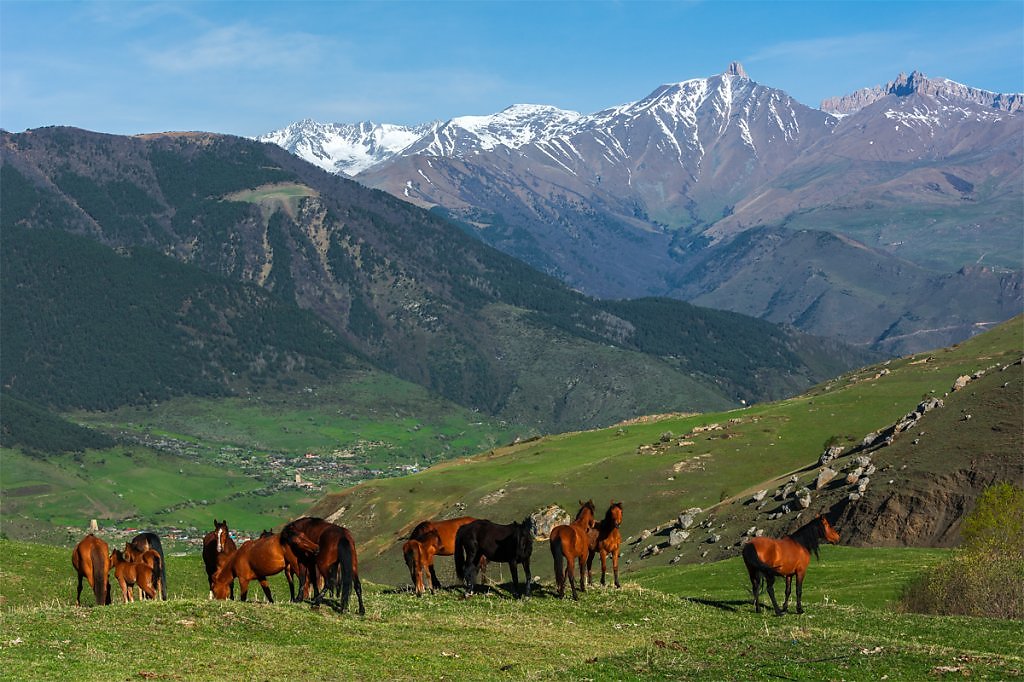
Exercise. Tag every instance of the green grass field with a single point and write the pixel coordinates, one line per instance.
(697, 623)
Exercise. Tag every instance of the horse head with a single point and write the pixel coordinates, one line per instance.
(829, 533)
(615, 513)
(526, 531)
(586, 514)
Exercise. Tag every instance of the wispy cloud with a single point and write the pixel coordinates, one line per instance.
(829, 47)
(239, 47)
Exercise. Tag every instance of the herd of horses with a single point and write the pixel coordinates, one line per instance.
(321, 557)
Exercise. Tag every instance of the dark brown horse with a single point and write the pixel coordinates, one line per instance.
(338, 565)
(569, 546)
(770, 558)
(484, 540)
(419, 555)
(143, 541)
(310, 528)
(605, 539)
(217, 547)
(131, 574)
(441, 535)
(91, 560)
(257, 560)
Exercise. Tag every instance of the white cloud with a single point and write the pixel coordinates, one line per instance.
(237, 47)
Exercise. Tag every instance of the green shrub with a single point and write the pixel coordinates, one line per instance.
(986, 576)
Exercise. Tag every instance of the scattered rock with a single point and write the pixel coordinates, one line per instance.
(960, 382)
(677, 536)
(830, 454)
(713, 539)
(759, 495)
(825, 477)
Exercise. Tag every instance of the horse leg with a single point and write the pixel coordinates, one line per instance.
(789, 585)
(799, 592)
(527, 575)
(266, 590)
(615, 566)
(515, 578)
(434, 582)
(590, 569)
(755, 586)
(470, 578)
(243, 589)
(770, 580)
(582, 559)
(78, 599)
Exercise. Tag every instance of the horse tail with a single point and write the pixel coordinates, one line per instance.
(558, 554)
(461, 555)
(99, 575)
(753, 560)
(345, 562)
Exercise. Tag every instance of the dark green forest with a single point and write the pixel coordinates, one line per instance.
(84, 326)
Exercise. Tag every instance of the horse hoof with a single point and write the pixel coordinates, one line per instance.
(799, 610)
(779, 613)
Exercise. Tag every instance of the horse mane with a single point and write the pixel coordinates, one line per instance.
(589, 504)
(809, 535)
(421, 529)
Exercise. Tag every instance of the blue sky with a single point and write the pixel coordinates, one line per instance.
(248, 68)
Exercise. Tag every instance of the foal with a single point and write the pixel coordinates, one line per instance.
(131, 574)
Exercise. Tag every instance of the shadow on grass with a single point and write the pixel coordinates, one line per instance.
(720, 604)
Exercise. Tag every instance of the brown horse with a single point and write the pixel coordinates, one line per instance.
(419, 555)
(151, 558)
(770, 558)
(569, 545)
(440, 534)
(337, 564)
(91, 560)
(309, 528)
(217, 547)
(256, 560)
(143, 541)
(605, 540)
(130, 574)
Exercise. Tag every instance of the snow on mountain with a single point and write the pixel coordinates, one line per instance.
(347, 148)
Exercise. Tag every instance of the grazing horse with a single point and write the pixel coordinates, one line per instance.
(131, 574)
(310, 528)
(483, 540)
(569, 545)
(91, 560)
(151, 558)
(605, 539)
(143, 541)
(256, 560)
(217, 547)
(419, 557)
(337, 563)
(788, 557)
(441, 534)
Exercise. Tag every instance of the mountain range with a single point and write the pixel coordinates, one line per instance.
(137, 268)
(889, 218)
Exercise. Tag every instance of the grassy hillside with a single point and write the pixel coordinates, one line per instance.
(662, 466)
(699, 627)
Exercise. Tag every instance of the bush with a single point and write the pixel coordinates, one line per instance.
(985, 577)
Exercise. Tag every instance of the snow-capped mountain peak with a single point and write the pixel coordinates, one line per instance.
(347, 148)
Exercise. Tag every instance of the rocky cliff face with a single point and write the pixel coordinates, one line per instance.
(918, 83)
